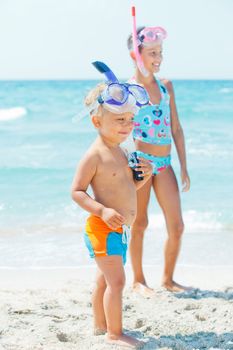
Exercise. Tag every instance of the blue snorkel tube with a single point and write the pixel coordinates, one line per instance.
(104, 69)
(117, 97)
(138, 92)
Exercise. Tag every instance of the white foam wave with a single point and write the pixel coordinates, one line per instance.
(226, 90)
(208, 152)
(194, 221)
(12, 113)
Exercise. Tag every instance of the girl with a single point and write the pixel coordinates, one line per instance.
(154, 127)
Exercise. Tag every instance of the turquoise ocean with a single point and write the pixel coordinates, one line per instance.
(41, 142)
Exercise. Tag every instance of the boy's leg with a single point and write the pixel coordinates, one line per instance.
(113, 271)
(112, 268)
(100, 326)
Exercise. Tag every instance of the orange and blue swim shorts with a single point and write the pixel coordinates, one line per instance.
(102, 241)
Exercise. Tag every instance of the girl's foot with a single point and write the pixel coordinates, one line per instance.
(174, 287)
(143, 289)
(126, 341)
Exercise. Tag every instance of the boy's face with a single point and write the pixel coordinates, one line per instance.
(152, 57)
(114, 127)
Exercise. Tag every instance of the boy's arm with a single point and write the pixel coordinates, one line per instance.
(85, 172)
(82, 179)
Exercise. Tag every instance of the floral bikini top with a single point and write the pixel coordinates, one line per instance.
(152, 124)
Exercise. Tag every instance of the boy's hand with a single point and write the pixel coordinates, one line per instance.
(112, 218)
(145, 167)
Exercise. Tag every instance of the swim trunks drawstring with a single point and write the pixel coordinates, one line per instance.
(125, 234)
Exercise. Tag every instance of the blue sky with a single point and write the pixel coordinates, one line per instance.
(48, 39)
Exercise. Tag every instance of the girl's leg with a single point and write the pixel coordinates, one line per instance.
(100, 326)
(112, 268)
(137, 235)
(167, 193)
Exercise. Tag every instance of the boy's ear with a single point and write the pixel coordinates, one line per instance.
(132, 55)
(95, 121)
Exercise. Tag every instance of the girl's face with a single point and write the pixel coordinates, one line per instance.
(152, 57)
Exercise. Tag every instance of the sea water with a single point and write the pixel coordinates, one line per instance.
(43, 135)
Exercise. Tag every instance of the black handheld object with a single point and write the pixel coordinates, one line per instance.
(133, 161)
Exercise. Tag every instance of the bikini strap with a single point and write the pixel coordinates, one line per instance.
(162, 88)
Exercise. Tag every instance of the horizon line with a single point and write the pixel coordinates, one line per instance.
(95, 79)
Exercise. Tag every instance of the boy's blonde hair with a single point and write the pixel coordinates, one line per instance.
(91, 98)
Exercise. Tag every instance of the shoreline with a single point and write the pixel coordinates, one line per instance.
(215, 277)
(67, 250)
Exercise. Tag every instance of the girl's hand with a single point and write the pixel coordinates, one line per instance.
(185, 180)
(145, 167)
(112, 218)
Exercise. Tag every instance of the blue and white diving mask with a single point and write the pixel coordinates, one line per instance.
(120, 97)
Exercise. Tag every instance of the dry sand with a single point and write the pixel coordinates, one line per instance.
(50, 309)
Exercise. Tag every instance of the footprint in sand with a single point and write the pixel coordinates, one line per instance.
(21, 312)
(62, 337)
(191, 307)
(81, 317)
(127, 307)
(50, 305)
(140, 322)
(200, 317)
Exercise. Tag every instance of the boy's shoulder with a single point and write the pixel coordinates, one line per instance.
(92, 154)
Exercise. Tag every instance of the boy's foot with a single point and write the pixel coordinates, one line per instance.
(175, 287)
(126, 341)
(100, 331)
(143, 289)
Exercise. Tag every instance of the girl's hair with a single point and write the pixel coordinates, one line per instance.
(130, 40)
(93, 95)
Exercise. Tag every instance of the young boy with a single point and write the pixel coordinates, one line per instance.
(113, 208)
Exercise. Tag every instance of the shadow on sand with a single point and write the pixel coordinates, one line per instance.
(202, 294)
(193, 341)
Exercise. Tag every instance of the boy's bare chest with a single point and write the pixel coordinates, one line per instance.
(114, 167)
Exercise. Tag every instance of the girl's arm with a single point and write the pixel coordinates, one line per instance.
(178, 137)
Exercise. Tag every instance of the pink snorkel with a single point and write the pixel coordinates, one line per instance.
(138, 57)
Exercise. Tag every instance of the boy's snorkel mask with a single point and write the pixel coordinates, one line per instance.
(119, 97)
(146, 37)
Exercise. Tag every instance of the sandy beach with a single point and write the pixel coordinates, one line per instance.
(50, 309)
